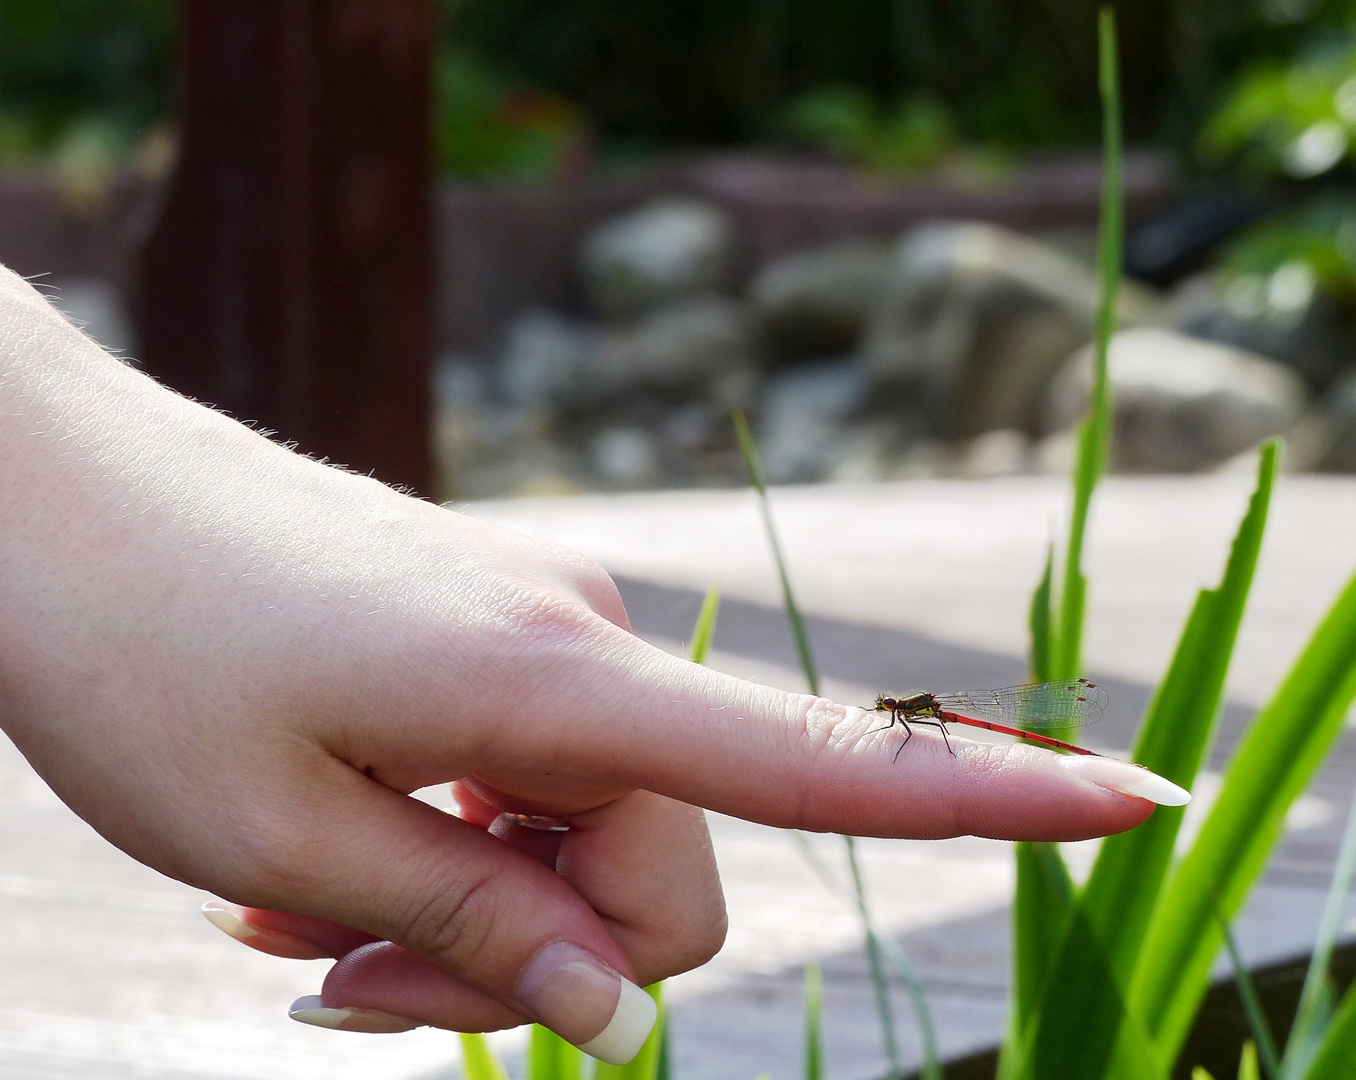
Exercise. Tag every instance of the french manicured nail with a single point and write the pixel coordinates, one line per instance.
(585, 1002)
(229, 920)
(1128, 779)
(309, 1010)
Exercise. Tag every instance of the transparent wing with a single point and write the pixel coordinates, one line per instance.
(1068, 704)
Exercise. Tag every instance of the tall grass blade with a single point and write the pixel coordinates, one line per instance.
(549, 1057)
(1276, 759)
(1305, 1031)
(1057, 622)
(1083, 1010)
(880, 983)
(645, 1065)
(704, 632)
(890, 949)
(813, 1067)
(477, 1059)
(793, 616)
(1262, 1043)
(1094, 434)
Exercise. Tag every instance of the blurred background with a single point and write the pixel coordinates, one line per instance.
(871, 225)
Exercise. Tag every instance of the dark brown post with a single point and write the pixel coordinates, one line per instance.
(289, 280)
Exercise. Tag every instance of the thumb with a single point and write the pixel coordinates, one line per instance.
(503, 925)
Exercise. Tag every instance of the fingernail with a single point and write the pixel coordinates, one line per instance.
(309, 1010)
(587, 1003)
(1128, 779)
(230, 920)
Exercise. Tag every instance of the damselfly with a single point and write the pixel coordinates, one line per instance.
(1013, 710)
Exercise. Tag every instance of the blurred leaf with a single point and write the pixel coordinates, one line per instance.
(1247, 1062)
(1335, 1056)
(549, 1057)
(1278, 756)
(477, 1059)
(914, 133)
(1040, 622)
(1084, 1008)
(1309, 1021)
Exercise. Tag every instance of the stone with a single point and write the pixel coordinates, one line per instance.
(1001, 452)
(679, 348)
(1283, 315)
(625, 456)
(974, 320)
(805, 417)
(545, 357)
(1336, 427)
(1180, 404)
(667, 250)
(815, 303)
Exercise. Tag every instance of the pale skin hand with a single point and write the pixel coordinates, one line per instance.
(236, 663)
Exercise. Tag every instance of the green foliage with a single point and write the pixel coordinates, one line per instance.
(1273, 268)
(813, 1068)
(1293, 119)
(704, 633)
(488, 127)
(917, 131)
(1261, 1049)
(68, 62)
(477, 1059)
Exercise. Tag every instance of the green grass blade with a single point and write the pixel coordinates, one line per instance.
(1262, 1044)
(879, 983)
(890, 949)
(1277, 758)
(1041, 910)
(1335, 1056)
(549, 1057)
(704, 632)
(645, 1065)
(813, 1067)
(477, 1059)
(793, 616)
(1094, 434)
(1040, 622)
(1084, 1009)
(1199, 1073)
(1304, 1032)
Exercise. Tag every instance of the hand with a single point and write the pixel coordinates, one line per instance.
(236, 663)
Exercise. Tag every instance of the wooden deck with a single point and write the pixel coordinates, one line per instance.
(109, 971)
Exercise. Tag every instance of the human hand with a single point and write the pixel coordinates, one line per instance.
(236, 664)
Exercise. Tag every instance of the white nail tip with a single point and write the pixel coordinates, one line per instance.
(1128, 779)
(309, 1010)
(227, 921)
(626, 1032)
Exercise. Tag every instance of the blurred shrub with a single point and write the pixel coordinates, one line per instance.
(485, 126)
(915, 133)
(67, 66)
(1295, 119)
(1275, 267)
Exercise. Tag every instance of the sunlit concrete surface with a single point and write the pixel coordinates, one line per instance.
(108, 971)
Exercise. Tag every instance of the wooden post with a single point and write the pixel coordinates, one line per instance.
(289, 280)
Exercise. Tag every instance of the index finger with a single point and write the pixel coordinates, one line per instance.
(643, 718)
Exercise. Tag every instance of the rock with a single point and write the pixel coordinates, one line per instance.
(1181, 404)
(677, 348)
(1283, 315)
(805, 414)
(1336, 424)
(815, 303)
(665, 251)
(1001, 452)
(974, 320)
(625, 456)
(545, 357)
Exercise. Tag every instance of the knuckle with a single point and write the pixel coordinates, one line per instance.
(455, 924)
